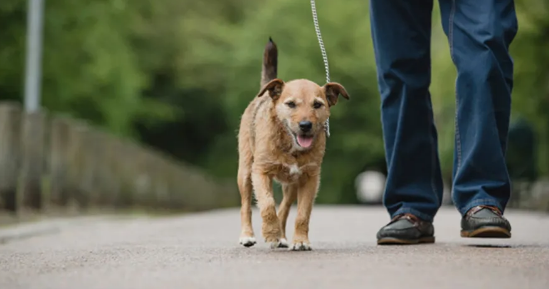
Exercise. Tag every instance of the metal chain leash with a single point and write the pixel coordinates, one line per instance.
(324, 56)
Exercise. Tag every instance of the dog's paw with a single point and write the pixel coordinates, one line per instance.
(275, 244)
(247, 241)
(301, 246)
(283, 243)
(273, 241)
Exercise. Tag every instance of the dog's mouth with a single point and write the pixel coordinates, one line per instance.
(304, 141)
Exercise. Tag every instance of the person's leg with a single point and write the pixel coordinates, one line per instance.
(479, 33)
(401, 32)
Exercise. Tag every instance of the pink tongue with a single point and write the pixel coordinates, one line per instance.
(304, 141)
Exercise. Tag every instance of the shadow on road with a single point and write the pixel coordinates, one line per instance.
(499, 246)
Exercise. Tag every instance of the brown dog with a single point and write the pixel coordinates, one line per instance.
(282, 137)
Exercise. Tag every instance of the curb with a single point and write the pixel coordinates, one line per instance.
(40, 228)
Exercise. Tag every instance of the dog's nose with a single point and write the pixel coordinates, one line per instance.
(305, 126)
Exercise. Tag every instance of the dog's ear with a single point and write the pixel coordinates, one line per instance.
(332, 90)
(274, 87)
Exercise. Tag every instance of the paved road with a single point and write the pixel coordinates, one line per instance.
(202, 251)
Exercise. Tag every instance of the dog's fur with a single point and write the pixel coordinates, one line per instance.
(269, 148)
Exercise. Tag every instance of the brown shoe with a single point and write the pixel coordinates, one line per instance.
(406, 229)
(485, 222)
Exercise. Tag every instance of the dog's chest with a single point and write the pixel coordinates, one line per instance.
(290, 172)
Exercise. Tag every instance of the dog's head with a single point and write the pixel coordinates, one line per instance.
(303, 107)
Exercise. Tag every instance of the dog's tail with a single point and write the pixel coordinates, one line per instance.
(270, 63)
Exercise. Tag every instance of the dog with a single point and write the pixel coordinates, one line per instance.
(282, 137)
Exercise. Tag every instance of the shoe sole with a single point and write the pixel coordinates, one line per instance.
(487, 232)
(395, 241)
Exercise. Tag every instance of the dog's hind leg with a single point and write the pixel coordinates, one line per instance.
(290, 195)
(247, 238)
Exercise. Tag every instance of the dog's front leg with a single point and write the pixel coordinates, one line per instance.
(265, 200)
(305, 198)
(290, 195)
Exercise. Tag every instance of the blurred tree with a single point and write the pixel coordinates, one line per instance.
(178, 74)
(531, 58)
(521, 154)
(90, 69)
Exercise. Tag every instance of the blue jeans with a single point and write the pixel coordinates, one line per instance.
(479, 34)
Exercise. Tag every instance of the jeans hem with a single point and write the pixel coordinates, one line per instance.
(486, 202)
(414, 212)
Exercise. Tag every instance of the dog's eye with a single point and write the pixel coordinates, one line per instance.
(290, 104)
(317, 104)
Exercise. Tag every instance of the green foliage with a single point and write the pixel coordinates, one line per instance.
(531, 58)
(90, 69)
(178, 74)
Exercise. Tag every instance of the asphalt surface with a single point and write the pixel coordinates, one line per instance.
(202, 251)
